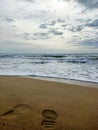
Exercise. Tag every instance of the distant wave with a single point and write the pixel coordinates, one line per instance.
(75, 61)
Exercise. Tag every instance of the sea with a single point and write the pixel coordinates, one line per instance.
(80, 67)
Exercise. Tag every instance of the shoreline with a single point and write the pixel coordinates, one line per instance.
(59, 80)
(67, 81)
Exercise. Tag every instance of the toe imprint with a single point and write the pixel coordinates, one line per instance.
(49, 114)
(49, 121)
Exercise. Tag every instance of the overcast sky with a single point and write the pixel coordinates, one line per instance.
(48, 26)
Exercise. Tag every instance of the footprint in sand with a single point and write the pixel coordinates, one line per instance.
(18, 109)
(49, 121)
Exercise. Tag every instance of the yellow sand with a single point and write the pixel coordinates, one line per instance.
(31, 104)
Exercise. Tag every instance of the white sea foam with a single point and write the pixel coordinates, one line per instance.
(82, 67)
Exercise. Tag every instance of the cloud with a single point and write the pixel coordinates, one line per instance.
(42, 35)
(64, 0)
(87, 42)
(8, 19)
(37, 36)
(89, 3)
(90, 43)
(31, 1)
(52, 23)
(43, 26)
(73, 28)
(93, 24)
(13, 26)
(55, 32)
(46, 25)
(84, 20)
(64, 25)
(76, 28)
(61, 20)
(26, 36)
(45, 11)
(83, 24)
(49, 21)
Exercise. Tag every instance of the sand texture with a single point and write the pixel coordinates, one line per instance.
(32, 104)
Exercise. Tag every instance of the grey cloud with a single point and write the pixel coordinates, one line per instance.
(64, 25)
(90, 42)
(46, 25)
(84, 20)
(45, 11)
(35, 36)
(42, 35)
(86, 42)
(89, 3)
(55, 32)
(88, 20)
(61, 20)
(26, 36)
(31, 1)
(52, 23)
(76, 28)
(14, 26)
(8, 19)
(93, 24)
(63, 0)
(86, 23)
(95, 5)
(43, 26)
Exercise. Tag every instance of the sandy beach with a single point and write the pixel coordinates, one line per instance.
(32, 104)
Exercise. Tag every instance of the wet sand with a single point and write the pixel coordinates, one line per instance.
(33, 104)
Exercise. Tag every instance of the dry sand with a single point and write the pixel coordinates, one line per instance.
(32, 104)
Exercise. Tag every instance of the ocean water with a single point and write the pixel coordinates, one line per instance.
(83, 67)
